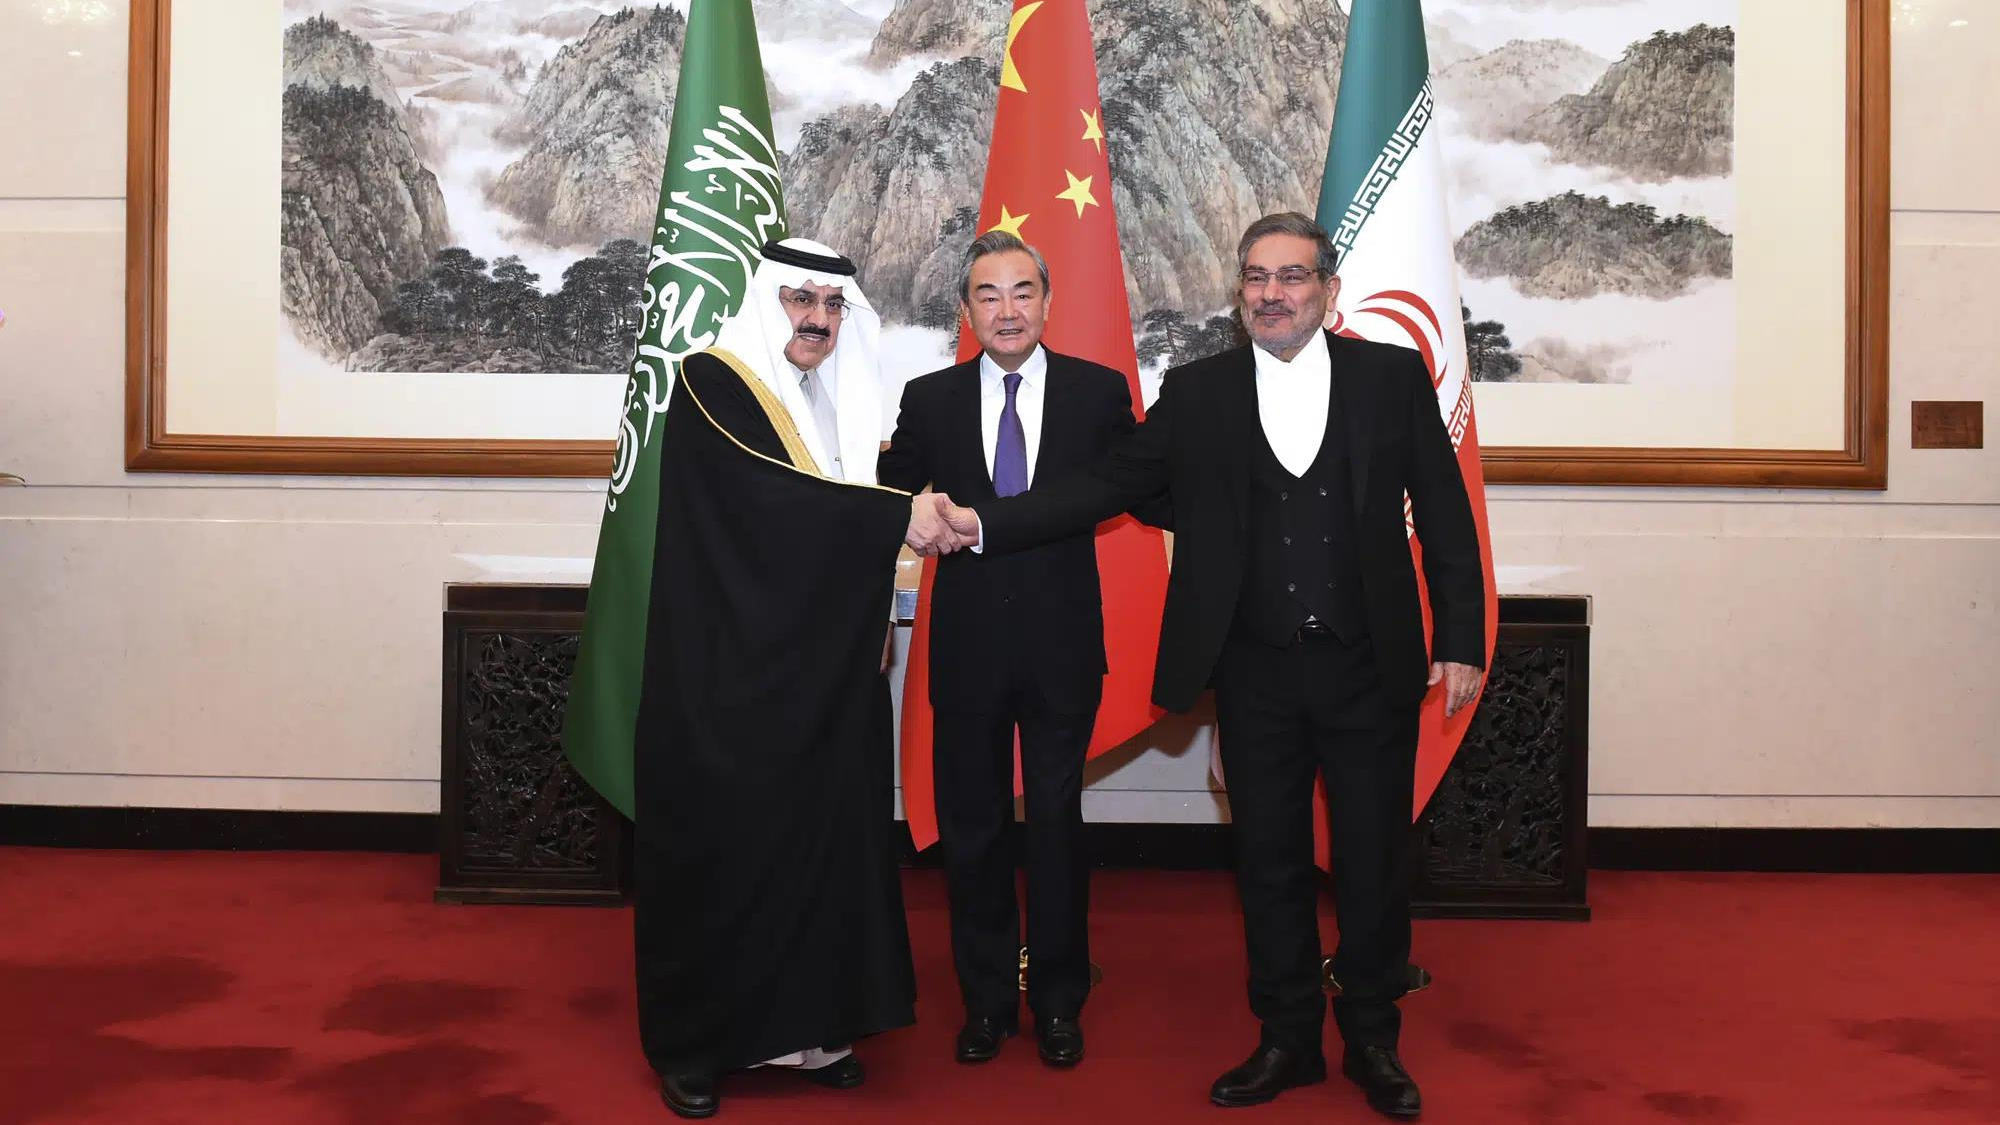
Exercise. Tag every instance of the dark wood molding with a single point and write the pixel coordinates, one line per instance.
(149, 445)
(410, 457)
(1863, 459)
(1830, 850)
(1544, 609)
(560, 598)
(249, 830)
(1171, 847)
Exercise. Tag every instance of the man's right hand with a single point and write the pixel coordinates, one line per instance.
(930, 533)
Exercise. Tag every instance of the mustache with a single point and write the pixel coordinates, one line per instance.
(1273, 307)
(812, 330)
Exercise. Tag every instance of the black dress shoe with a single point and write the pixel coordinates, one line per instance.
(690, 1095)
(979, 1040)
(844, 1074)
(1060, 1041)
(1380, 1074)
(1268, 1072)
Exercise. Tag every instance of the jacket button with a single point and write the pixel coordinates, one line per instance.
(1326, 538)
(1322, 492)
(1288, 540)
(1291, 587)
(1284, 496)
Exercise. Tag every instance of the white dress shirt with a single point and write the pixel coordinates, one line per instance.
(1292, 402)
(825, 411)
(1027, 403)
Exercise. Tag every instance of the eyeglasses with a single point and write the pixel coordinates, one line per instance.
(803, 301)
(1291, 277)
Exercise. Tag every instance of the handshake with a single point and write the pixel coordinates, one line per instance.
(938, 526)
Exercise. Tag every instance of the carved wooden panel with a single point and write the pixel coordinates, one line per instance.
(1504, 836)
(517, 823)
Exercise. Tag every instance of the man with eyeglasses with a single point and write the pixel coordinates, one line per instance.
(1294, 595)
(769, 927)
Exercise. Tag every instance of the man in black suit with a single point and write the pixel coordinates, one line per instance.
(1294, 595)
(1017, 641)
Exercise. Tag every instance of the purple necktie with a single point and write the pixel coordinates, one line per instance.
(1010, 450)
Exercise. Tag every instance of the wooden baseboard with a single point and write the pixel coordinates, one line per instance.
(1170, 847)
(51, 826)
(1845, 850)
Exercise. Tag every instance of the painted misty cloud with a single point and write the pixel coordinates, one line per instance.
(467, 186)
(1592, 190)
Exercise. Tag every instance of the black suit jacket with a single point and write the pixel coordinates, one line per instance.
(1196, 446)
(1052, 588)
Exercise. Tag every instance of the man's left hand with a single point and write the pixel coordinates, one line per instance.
(1461, 684)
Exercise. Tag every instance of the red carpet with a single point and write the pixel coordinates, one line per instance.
(313, 988)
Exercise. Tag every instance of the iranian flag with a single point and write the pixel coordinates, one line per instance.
(719, 202)
(1383, 202)
(1048, 181)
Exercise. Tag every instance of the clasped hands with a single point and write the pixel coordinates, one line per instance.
(938, 526)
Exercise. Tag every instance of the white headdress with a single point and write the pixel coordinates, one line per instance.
(759, 331)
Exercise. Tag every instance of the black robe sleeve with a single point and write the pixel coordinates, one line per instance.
(1454, 575)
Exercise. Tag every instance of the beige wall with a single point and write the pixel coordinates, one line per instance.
(1759, 658)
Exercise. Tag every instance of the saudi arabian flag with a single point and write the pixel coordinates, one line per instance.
(719, 202)
(1383, 201)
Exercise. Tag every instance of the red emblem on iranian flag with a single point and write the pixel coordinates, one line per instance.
(1383, 202)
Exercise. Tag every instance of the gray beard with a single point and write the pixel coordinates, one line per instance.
(1275, 347)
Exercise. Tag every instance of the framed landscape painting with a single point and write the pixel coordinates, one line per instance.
(410, 236)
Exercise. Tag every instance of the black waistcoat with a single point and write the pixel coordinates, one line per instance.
(1302, 561)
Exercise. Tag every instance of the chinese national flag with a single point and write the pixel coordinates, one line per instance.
(1047, 180)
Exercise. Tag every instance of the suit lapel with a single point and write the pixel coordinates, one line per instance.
(1059, 414)
(1241, 426)
(965, 432)
(1351, 403)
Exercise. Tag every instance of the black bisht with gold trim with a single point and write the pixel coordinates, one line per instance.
(769, 911)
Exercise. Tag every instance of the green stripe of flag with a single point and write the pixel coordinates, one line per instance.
(1385, 65)
(719, 201)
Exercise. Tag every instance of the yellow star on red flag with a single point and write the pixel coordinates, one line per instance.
(1010, 78)
(1092, 131)
(1048, 73)
(1078, 192)
(1009, 222)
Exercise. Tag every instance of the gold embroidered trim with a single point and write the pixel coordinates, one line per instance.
(781, 420)
(774, 410)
